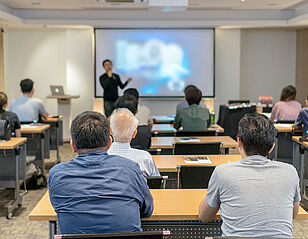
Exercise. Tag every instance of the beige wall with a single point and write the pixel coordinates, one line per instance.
(268, 62)
(248, 63)
(51, 57)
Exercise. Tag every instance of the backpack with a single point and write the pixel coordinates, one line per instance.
(5, 129)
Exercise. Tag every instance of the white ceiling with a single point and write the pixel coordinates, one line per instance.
(203, 4)
(200, 13)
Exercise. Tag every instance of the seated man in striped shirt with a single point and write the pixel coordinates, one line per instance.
(123, 126)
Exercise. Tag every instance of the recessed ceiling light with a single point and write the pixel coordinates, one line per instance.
(35, 3)
(243, 0)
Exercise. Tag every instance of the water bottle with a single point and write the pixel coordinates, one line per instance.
(212, 118)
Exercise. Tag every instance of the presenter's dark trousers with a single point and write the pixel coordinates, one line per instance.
(109, 107)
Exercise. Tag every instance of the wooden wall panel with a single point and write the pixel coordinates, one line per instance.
(302, 65)
(1, 61)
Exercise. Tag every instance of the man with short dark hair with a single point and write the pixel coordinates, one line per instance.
(143, 138)
(257, 197)
(27, 108)
(302, 118)
(96, 192)
(184, 104)
(110, 82)
(144, 114)
(195, 117)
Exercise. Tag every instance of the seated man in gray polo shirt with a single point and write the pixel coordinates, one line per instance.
(27, 108)
(256, 197)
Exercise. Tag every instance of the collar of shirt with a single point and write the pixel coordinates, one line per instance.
(256, 160)
(91, 155)
(117, 145)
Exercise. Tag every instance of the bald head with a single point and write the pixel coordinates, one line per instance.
(123, 125)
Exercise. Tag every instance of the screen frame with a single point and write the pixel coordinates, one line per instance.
(154, 28)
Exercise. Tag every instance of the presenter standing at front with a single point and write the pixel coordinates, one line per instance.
(110, 82)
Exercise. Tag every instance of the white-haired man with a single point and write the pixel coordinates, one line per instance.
(123, 126)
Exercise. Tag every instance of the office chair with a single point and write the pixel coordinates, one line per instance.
(232, 102)
(194, 176)
(157, 182)
(154, 151)
(118, 235)
(182, 133)
(182, 148)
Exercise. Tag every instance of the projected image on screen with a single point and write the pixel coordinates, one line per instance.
(161, 62)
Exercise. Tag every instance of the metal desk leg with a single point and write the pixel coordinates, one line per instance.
(52, 229)
(303, 185)
(17, 197)
(57, 143)
(296, 157)
(276, 150)
(42, 154)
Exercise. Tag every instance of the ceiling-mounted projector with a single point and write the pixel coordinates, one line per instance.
(168, 5)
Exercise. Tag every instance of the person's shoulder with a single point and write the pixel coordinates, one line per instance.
(36, 100)
(122, 162)
(64, 166)
(116, 75)
(142, 153)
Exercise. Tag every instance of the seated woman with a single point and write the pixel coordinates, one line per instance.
(195, 117)
(10, 116)
(287, 108)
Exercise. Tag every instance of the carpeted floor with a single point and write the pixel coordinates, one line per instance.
(19, 227)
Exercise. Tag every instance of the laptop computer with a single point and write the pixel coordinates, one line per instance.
(57, 90)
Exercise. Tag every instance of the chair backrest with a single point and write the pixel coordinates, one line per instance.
(182, 133)
(182, 148)
(157, 182)
(231, 102)
(195, 176)
(285, 122)
(118, 235)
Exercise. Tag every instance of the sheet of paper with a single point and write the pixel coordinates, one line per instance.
(188, 140)
(28, 126)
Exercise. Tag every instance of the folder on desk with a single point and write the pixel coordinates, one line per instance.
(196, 159)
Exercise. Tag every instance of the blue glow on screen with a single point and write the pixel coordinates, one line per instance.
(161, 62)
(156, 58)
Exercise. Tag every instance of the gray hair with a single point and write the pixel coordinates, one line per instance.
(123, 125)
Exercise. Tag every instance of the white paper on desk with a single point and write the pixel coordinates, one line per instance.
(284, 125)
(188, 140)
(199, 161)
(28, 126)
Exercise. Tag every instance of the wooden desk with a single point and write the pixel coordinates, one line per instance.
(13, 143)
(169, 205)
(53, 119)
(34, 129)
(168, 142)
(163, 119)
(38, 142)
(163, 128)
(169, 163)
(284, 147)
(13, 168)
